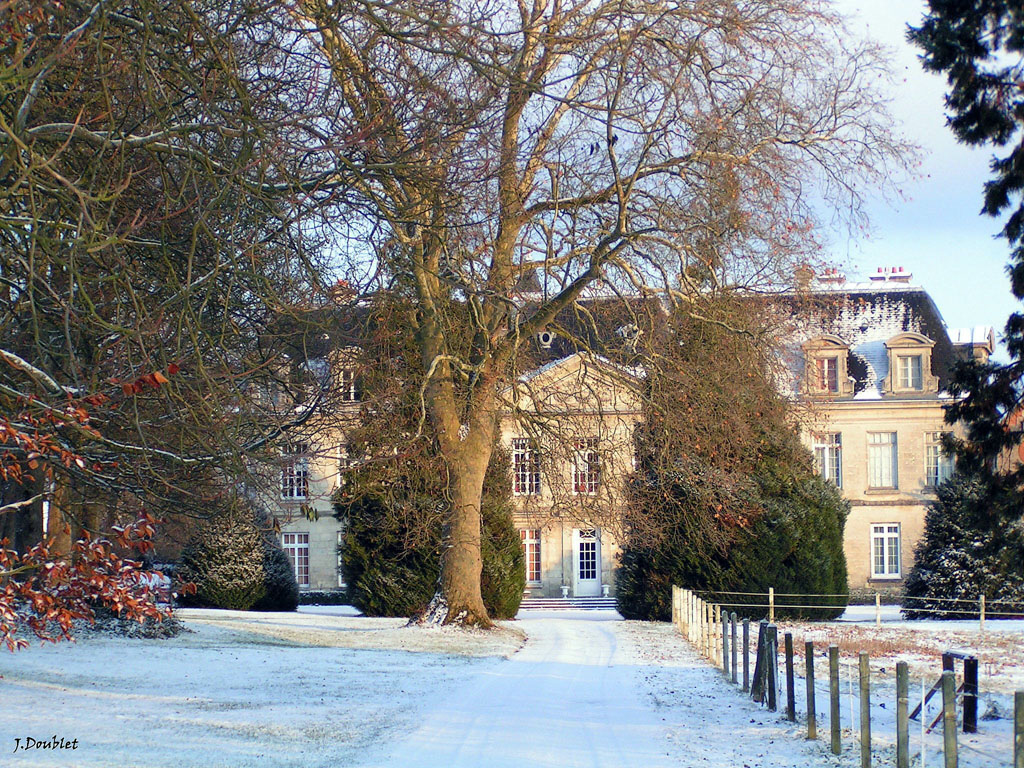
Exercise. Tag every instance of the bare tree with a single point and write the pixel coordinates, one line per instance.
(157, 165)
(611, 146)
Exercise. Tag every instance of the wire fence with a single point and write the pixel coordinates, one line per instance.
(818, 606)
(715, 633)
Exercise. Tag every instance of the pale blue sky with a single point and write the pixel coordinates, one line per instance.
(936, 232)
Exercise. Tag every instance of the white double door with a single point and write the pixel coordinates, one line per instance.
(586, 562)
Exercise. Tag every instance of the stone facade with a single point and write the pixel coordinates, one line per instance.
(867, 364)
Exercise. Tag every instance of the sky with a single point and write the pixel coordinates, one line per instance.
(936, 232)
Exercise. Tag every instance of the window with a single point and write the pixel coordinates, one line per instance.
(938, 467)
(531, 553)
(295, 472)
(828, 456)
(296, 545)
(586, 474)
(344, 463)
(349, 386)
(525, 467)
(341, 543)
(885, 551)
(827, 372)
(882, 460)
(910, 372)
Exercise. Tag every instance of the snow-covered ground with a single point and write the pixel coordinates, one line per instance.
(326, 687)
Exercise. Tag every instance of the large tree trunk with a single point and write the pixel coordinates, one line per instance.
(462, 564)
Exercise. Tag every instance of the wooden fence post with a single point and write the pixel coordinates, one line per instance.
(981, 613)
(735, 655)
(878, 610)
(746, 654)
(772, 668)
(971, 694)
(1018, 729)
(812, 712)
(902, 722)
(949, 745)
(718, 632)
(833, 698)
(691, 611)
(865, 710)
(771, 605)
(725, 643)
(790, 687)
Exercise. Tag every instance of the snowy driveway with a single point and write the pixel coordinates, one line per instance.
(591, 690)
(565, 699)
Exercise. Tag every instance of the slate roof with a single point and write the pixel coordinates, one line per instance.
(865, 316)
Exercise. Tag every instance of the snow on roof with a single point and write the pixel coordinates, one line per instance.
(865, 316)
(979, 334)
(635, 372)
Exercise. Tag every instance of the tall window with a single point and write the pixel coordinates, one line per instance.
(341, 543)
(525, 467)
(344, 462)
(828, 456)
(531, 552)
(885, 551)
(296, 545)
(938, 467)
(586, 473)
(827, 374)
(882, 460)
(295, 472)
(349, 385)
(910, 370)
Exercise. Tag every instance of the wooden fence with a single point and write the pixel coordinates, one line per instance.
(716, 633)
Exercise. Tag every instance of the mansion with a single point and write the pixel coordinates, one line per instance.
(865, 363)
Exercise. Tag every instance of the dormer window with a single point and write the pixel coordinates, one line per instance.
(909, 367)
(349, 385)
(827, 369)
(910, 364)
(827, 372)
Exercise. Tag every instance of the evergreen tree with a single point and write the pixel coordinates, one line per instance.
(972, 532)
(725, 498)
(225, 561)
(395, 499)
(281, 590)
(966, 551)
(978, 45)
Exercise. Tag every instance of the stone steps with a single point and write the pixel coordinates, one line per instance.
(568, 604)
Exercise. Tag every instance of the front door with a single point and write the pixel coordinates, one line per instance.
(587, 556)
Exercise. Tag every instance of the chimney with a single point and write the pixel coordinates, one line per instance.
(891, 274)
(832, 277)
(803, 275)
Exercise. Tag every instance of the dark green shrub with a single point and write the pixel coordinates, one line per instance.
(281, 588)
(504, 568)
(391, 555)
(795, 544)
(225, 560)
(970, 547)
